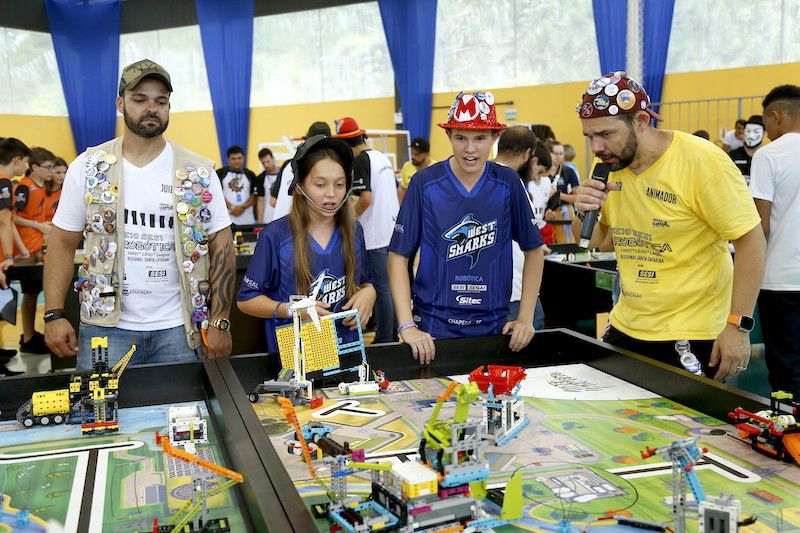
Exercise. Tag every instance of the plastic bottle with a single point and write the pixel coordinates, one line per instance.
(689, 360)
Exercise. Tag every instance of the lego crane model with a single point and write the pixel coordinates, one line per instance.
(104, 388)
(715, 513)
(182, 519)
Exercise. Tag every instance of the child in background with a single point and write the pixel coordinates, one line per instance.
(569, 157)
(318, 243)
(54, 188)
(33, 224)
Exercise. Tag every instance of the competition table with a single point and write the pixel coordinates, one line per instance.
(114, 482)
(696, 401)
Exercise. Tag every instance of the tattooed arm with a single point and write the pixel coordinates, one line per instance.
(222, 273)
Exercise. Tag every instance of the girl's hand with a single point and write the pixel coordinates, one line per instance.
(363, 300)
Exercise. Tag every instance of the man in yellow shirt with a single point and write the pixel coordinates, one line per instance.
(671, 204)
(420, 158)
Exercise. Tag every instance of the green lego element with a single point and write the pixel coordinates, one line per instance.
(478, 489)
(372, 466)
(437, 432)
(512, 500)
(782, 395)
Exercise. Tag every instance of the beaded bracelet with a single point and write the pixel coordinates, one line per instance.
(406, 325)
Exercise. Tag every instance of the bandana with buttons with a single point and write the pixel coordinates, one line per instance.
(614, 94)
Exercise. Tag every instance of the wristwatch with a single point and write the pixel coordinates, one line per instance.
(743, 322)
(222, 324)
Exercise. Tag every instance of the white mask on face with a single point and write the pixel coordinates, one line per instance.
(753, 135)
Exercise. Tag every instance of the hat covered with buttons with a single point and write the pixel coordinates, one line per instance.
(614, 94)
(473, 111)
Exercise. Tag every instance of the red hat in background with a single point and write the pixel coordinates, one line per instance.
(347, 127)
(614, 94)
(473, 111)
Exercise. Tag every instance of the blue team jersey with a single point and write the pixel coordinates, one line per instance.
(271, 272)
(463, 282)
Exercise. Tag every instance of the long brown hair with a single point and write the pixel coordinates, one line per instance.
(298, 222)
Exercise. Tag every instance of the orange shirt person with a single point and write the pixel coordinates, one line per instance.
(30, 200)
(33, 224)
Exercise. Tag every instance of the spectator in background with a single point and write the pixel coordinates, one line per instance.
(703, 134)
(280, 198)
(264, 181)
(13, 162)
(734, 138)
(34, 224)
(567, 184)
(515, 149)
(238, 186)
(569, 158)
(775, 186)
(420, 158)
(375, 187)
(54, 187)
(543, 132)
(753, 137)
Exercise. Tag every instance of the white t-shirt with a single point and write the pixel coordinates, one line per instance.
(775, 177)
(283, 202)
(238, 188)
(151, 295)
(518, 256)
(379, 218)
(539, 194)
(731, 140)
(269, 211)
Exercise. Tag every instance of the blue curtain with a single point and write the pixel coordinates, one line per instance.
(86, 41)
(410, 28)
(610, 26)
(656, 31)
(226, 29)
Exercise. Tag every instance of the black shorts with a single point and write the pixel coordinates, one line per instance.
(31, 286)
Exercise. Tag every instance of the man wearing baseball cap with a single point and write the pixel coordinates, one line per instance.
(420, 150)
(463, 214)
(671, 204)
(159, 256)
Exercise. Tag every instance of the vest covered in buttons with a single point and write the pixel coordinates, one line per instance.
(99, 275)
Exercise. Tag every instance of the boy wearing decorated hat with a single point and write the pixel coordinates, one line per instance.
(671, 204)
(462, 214)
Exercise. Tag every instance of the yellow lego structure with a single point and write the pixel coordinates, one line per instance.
(320, 347)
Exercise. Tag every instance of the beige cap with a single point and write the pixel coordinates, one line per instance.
(135, 72)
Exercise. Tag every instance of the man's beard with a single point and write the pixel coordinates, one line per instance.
(627, 155)
(145, 131)
(525, 170)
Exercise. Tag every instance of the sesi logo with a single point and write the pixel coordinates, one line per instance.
(649, 274)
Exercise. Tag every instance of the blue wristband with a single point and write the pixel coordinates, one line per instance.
(275, 311)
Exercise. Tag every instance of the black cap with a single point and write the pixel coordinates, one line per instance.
(420, 144)
(318, 142)
(755, 119)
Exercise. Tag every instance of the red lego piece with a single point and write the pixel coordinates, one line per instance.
(502, 378)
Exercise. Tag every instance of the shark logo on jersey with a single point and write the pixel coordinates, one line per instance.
(469, 237)
(332, 289)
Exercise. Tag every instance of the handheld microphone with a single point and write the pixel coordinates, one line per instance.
(600, 173)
